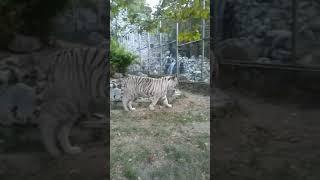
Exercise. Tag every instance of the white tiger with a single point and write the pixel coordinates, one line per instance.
(154, 88)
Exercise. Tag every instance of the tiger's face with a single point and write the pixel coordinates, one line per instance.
(173, 82)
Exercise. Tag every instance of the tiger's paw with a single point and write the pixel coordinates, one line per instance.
(169, 105)
(151, 108)
(133, 109)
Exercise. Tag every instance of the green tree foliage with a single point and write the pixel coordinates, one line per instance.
(120, 58)
(132, 6)
(187, 12)
(183, 10)
(138, 14)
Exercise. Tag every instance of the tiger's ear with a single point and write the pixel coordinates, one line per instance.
(175, 77)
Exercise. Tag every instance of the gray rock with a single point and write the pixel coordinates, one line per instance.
(141, 74)
(17, 104)
(264, 60)
(308, 34)
(312, 58)
(115, 94)
(24, 44)
(134, 68)
(238, 49)
(5, 76)
(117, 75)
(315, 24)
(11, 60)
(279, 54)
(306, 60)
(95, 38)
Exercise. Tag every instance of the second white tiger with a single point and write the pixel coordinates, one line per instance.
(154, 88)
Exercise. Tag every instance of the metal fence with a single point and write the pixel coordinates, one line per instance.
(163, 54)
(273, 34)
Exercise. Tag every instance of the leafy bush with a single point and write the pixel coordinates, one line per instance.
(120, 58)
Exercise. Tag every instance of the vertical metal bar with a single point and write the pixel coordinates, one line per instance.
(161, 49)
(177, 49)
(203, 36)
(148, 52)
(294, 30)
(140, 51)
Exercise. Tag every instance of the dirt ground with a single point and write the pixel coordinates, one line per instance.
(168, 143)
(265, 139)
(268, 140)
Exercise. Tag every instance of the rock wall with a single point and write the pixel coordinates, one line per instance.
(82, 21)
(257, 30)
(191, 69)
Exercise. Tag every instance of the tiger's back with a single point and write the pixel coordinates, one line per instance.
(78, 74)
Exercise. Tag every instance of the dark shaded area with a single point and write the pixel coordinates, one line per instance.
(31, 17)
(268, 64)
(30, 32)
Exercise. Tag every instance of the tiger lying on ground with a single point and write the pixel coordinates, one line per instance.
(76, 86)
(154, 88)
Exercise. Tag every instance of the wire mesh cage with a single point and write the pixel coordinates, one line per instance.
(282, 34)
(162, 52)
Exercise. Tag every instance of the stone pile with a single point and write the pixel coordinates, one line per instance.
(192, 68)
(20, 87)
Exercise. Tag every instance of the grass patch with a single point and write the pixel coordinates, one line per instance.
(166, 144)
(130, 173)
(181, 163)
(181, 117)
(177, 153)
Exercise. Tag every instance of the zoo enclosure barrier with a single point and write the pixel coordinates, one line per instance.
(163, 54)
(288, 36)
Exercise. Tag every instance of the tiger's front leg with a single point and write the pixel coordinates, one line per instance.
(125, 103)
(165, 102)
(154, 101)
(63, 137)
(48, 127)
(130, 106)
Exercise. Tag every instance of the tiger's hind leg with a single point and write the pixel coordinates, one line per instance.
(53, 119)
(154, 101)
(48, 129)
(130, 106)
(165, 102)
(63, 137)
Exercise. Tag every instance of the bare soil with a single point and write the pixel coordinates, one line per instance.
(268, 140)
